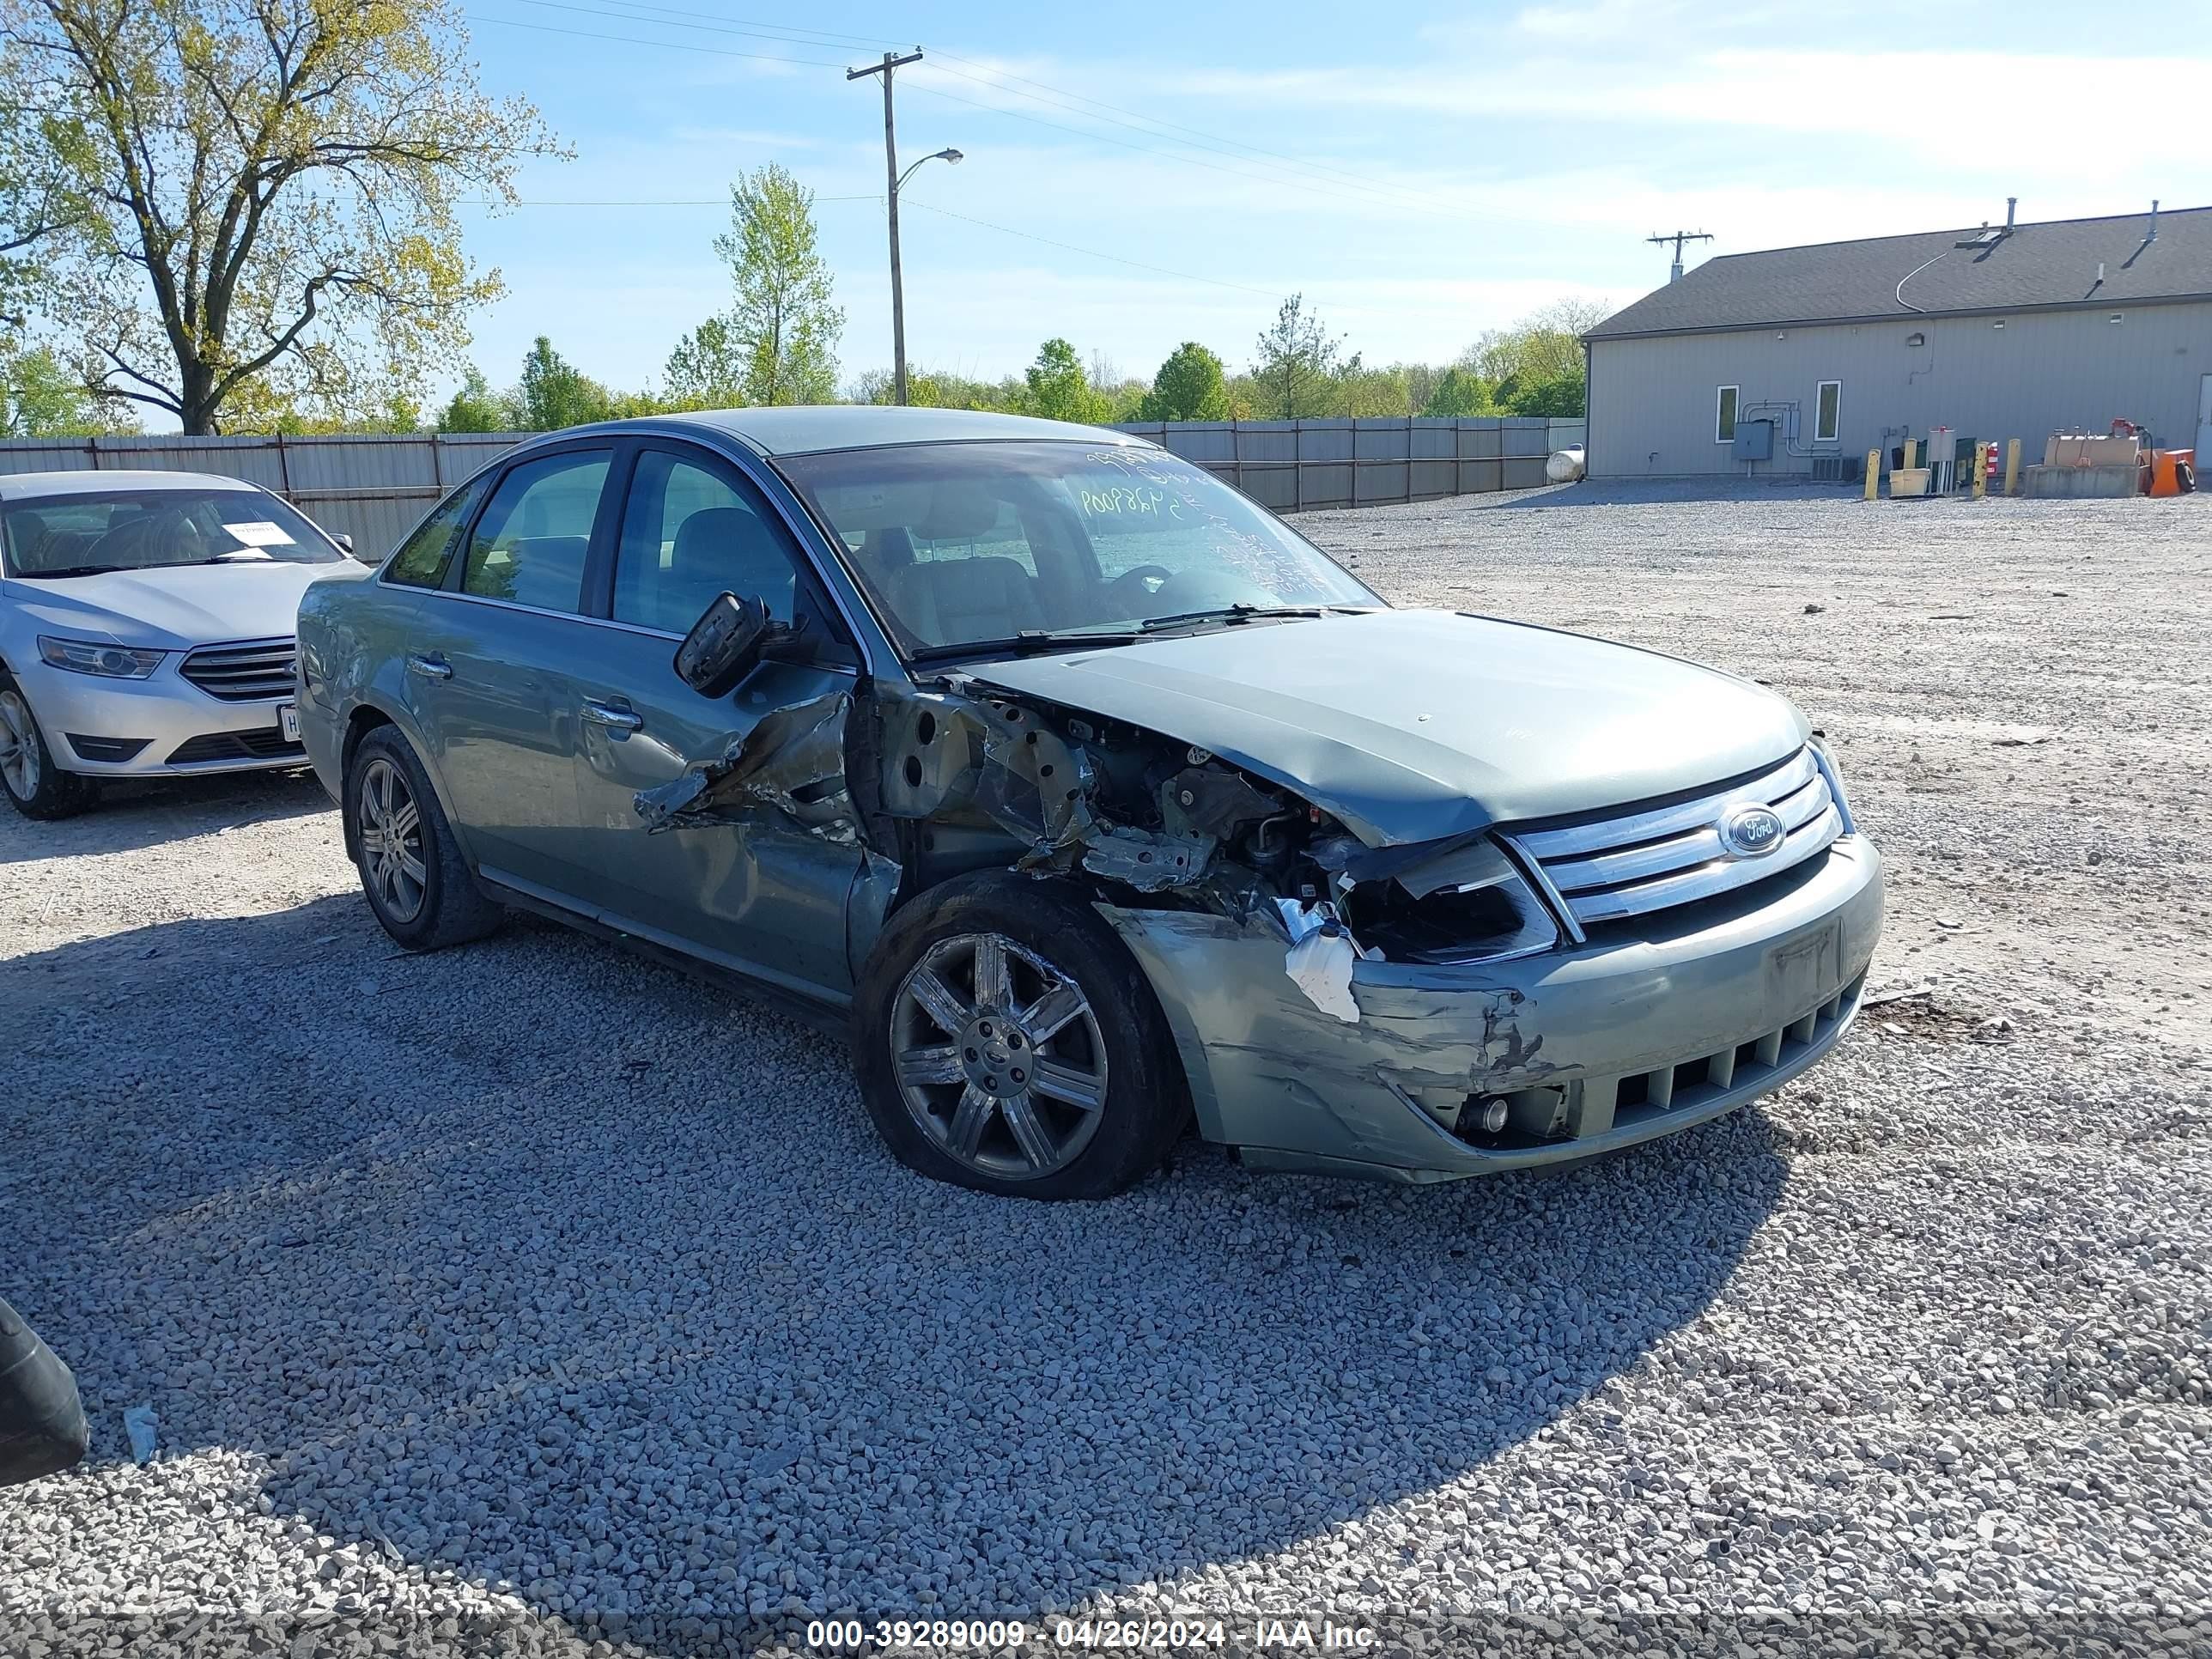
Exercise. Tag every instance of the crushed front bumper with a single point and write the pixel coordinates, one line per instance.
(1590, 1048)
(161, 726)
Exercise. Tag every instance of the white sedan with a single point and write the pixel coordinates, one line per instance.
(146, 629)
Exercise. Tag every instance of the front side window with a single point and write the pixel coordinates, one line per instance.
(423, 557)
(689, 534)
(1724, 417)
(86, 535)
(529, 544)
(964, 544)
(1828, 411)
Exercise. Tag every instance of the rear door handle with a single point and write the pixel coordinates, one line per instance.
(430, 668)
(602, 714)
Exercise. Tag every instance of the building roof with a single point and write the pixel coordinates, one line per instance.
(84, 481)
(2051, 263)
(803, 428)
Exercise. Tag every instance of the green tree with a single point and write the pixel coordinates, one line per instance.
(706, 369)
(270, 190)
(1560, 396)
(1059, 390)
(474, 408)
(780, 335)
(41, 398)
(1363, 392)
(1545, 345)
(1189, 386)
(1298, 365)
(554, 393)
(1458, 392)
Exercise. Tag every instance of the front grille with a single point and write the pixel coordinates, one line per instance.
(105, 749)
(1639, 862)
(255, 672)
(236, 746)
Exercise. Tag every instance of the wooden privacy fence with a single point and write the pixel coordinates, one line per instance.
(373, 486)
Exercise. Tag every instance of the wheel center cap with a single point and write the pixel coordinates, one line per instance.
(994, 1054)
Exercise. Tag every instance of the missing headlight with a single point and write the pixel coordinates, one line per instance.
(1473, 924)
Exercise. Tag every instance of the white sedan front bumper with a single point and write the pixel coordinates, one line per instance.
(164, 725)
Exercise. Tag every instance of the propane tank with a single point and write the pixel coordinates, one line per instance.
(1565, 465)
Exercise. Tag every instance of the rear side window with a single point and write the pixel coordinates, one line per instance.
(423, 557)
(529, 544)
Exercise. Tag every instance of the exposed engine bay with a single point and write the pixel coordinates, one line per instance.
(959, 774)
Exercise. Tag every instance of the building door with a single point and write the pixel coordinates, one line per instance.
(2204, 421)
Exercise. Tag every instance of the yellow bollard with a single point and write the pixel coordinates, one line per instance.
(1874, 474)
(2012, 466)
(1981, 469)
(1911, 452)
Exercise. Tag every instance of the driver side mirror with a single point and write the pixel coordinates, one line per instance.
(732, 637)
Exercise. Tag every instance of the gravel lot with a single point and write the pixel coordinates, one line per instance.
(539, 1288)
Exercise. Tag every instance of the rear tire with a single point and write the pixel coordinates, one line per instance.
(1006, 1041)
(34, 786)
(416, 882)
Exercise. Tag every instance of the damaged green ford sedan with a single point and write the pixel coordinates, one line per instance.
(1089, 798)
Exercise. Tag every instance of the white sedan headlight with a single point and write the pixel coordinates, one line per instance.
(120, 662)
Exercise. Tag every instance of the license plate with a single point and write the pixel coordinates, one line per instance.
(288, 720)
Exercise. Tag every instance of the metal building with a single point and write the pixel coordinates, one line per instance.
(1799, 361)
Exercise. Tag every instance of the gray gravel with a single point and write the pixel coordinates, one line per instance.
(530, 1286)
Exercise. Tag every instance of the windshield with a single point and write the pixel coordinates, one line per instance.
(967, 544)
(85, 535)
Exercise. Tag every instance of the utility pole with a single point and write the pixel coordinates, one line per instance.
(1678, 237)
(893, 62)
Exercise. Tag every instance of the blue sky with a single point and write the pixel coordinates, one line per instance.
(1421, 172)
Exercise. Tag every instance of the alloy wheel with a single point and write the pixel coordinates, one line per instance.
(19, 746)
(998, 1057)
(389, 825)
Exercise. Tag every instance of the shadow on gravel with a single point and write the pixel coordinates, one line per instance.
(539, 1268)
(130, 815)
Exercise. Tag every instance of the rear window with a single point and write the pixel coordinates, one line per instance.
(80, 535)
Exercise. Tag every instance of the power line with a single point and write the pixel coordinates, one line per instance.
(672, 46)
(632, 201)
(760, 32)
(1158, 127)
(771, 31)
(1274, 175)
(997, 78)
(1094, 253)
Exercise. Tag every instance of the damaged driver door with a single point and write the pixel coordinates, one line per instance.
(753, 870)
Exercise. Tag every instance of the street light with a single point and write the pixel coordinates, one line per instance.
(898, 292)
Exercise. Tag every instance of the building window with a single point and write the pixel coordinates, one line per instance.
(1828, 412)
(1724, 417)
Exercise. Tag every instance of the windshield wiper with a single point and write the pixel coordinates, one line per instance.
(1226, 613)
(69, 570)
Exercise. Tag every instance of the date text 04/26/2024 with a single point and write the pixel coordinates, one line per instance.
(1116, 1635)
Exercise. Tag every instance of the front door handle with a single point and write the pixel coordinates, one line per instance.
(605, 713)
(430, 668)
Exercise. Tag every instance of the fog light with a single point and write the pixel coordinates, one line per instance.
(1491, 1115)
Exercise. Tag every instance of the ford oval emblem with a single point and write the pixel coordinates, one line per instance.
(1751, 832)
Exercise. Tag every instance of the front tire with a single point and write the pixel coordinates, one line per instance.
(1005, 1041)
(34, 786)
(412, 870)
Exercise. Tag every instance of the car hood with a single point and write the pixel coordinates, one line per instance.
(178, 608)
(1410, 725)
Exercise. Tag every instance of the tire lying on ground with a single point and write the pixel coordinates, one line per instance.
(42, 1426)
(1005, 1040)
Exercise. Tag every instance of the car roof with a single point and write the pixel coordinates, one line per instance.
(800, 429)
(22, 486)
